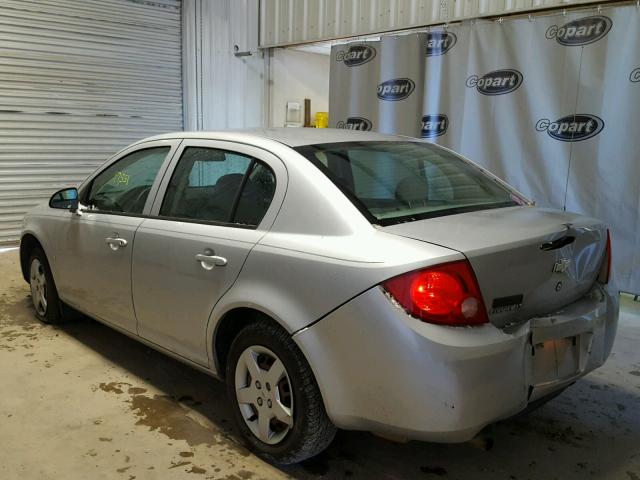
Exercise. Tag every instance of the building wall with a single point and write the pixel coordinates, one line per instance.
(296, 75)
(222, 90)
(288, 22)
(78, 82)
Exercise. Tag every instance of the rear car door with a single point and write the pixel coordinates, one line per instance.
(216, 201)
(95, 245)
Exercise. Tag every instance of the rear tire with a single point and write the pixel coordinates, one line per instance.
(44, 295)
(280, 413)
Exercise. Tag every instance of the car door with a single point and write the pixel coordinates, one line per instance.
(95, 245)
(215, 203)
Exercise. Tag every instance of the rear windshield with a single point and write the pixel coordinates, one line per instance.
(393, 182)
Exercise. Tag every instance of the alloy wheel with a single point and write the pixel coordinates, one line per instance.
(264, 394)
(38, 282)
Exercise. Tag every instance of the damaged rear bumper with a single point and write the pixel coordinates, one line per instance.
(381, 370)
(571, 342)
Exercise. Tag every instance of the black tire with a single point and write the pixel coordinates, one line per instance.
(312, 431)
(51, 313)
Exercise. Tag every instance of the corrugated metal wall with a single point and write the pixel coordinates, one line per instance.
(220, 89)
(288, 22)
(78, 81)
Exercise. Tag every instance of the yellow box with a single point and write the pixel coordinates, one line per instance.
(322, 119)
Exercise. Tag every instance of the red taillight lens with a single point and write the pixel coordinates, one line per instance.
(605, 270)
(446, 294)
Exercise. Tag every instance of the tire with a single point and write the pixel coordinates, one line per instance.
(44, 295)
(307, 431)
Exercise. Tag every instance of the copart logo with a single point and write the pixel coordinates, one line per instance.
(580, 32)
(497, 82)
(572, 128)
(355, 123)
(634, 76)
(439, 43)
(356, 55)
(434, 125)
(396, 89)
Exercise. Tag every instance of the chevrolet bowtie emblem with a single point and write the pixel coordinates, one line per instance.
(561, 265)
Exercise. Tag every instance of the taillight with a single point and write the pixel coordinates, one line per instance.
(605, 269)
(446, 294)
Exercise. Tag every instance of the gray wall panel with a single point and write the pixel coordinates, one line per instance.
(289, 22)
(79, 81)
(222, 90)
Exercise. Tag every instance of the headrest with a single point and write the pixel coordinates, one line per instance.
(412, 189)
(231, 180)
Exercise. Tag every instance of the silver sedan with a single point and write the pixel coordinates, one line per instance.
(333, 279)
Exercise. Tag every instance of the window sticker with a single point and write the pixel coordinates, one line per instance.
(120, 178)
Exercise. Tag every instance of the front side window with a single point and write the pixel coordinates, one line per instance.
(123, 187)
(394, 182)
(218, 186)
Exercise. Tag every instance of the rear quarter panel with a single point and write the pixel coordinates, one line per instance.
(297, 283)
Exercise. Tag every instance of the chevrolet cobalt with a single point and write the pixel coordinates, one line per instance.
(332, 278)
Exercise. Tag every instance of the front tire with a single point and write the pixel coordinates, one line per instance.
(44, 295)
(275, 399)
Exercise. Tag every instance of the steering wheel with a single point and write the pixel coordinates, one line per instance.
(109, 201)
(131, 199)
(142, 195)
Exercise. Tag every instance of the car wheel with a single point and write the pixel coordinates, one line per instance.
(275, 399)
(44, 295)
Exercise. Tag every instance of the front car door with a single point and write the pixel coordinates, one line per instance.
(216, 201)
(97, 242)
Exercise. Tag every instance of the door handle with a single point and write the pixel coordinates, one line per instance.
(209, 261)
(116, 242)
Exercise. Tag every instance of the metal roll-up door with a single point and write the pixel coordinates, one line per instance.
(78, 81)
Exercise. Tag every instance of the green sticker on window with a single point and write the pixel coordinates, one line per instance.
(120, 178)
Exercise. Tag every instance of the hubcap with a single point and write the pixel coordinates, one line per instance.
(268, 412)
(38, 282)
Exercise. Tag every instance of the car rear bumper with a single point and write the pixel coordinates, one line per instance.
(383, 371)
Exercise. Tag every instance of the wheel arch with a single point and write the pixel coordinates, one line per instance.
(228, 327)
(28, 243)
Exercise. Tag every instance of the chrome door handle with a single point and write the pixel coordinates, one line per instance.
(209, 261)
(115, 243)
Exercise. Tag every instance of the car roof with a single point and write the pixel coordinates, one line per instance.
(293, 137)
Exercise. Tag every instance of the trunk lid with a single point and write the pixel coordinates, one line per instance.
(528, 261)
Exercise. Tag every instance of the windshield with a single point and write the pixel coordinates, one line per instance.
(393, 182)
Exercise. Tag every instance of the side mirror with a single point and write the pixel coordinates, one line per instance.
(65, 199)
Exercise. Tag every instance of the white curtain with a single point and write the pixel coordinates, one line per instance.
(550, 104)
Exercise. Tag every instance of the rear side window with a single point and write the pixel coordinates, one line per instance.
(394, 182)
(210, 165)
(213, 185)
(256, 195)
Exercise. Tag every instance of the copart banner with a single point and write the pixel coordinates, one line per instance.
(550, 104)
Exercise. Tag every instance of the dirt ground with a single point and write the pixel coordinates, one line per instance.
(81, 401)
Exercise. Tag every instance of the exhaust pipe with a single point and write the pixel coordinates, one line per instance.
(484, 440)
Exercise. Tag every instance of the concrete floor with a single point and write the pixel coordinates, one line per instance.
(82, 401)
